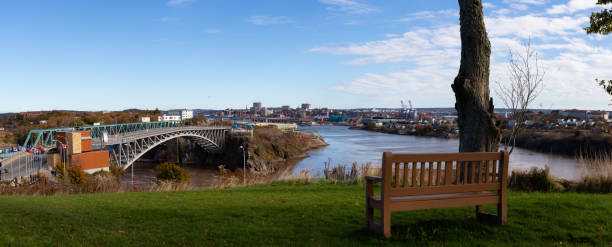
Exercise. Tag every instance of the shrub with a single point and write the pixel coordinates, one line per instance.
(536, 179)
(172, 172)
(594, 184)
(117, 171)
(75, 174)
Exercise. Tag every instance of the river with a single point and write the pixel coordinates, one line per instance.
(347, 146)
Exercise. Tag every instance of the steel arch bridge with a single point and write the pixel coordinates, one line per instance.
(127, 148)
(46, 137)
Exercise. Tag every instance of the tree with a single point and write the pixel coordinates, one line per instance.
(607, 85)
(476, 119)
(601, 22)
(525, 83)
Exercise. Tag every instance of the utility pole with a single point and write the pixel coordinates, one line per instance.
(243, 164)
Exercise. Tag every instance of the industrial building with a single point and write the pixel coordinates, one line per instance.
(76, 148)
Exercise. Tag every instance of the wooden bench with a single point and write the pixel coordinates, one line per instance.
(427, 181)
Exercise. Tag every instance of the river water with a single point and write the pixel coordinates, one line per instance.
(347, 146)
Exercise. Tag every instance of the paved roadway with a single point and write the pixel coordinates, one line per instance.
(22, 165)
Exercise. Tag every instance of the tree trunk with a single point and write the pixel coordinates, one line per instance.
(476, 121)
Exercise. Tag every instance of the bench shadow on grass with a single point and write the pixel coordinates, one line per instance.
(451, 229)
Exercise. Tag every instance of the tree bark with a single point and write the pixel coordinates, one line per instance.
(476, 119)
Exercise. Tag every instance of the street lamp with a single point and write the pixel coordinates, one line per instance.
(243, 164)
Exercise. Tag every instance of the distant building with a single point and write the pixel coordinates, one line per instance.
(256, 106)
(286, 108)
(306, 106)
(145, 119)
(579, 114)
(169, 118)
(598, 114)
(266, 112)
(182, 114)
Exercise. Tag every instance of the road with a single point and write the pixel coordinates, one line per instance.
(22, 165)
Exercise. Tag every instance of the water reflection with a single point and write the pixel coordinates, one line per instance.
(144, 174)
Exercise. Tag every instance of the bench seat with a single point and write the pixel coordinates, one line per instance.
(403, 203)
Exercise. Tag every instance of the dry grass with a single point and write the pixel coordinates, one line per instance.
(102, 182)
(353, 173)
(597, 175)
(339, 173)
(535, 179)
(598, 164)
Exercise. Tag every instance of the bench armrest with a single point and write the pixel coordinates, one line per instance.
(373, 178)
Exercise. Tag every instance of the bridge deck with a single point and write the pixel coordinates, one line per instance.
(127, 137)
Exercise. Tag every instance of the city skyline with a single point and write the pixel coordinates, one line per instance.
(339, 54)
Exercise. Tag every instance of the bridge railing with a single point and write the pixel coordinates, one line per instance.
(46, 137)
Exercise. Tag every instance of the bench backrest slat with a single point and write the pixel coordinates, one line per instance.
(423, 174)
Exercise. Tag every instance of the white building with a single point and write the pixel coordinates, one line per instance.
(266, 112)
(182, 114)
(169, 118)
(145, 119)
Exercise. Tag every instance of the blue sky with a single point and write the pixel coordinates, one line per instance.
(112, 55)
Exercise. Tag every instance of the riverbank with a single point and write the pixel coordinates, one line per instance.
(576, 143)
(429, 131)
(572, 143)
(271, 151)
(291, 214)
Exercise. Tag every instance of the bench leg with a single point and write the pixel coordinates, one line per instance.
(369, 216)
(386, 223)
(369, 209)
(502, 213)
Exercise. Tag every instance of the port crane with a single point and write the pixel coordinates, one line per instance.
(403, 110)
(407, 112)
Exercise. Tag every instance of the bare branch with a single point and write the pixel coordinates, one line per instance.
(524, 85)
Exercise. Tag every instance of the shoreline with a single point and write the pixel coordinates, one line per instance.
(393, 131)
(556, 143)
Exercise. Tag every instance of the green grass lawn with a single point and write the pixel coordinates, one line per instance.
(290, 215)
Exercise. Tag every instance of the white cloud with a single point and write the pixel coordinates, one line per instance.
(572, 6)
(349, 6)
(352, 23)
(534, 26)
(534, 2)
(165, 19)
(519, 6)
(178, 2)
(410, 46)
(431, 56)
(269, 20)
(488, 5)
(426, 14)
